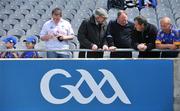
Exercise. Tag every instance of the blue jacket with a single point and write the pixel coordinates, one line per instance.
(153, 3)
(30, 54)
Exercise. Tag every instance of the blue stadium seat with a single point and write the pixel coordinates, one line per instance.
(178, 23)
(132, 13)
(6, 27)
(22, 11)
(11, 22)
(12, 7)
(29, 21)
(23, 26)
(34, 16)
(2, 32)
(3, 17)
(112, 14)
(6, 11)
(16, 32)
(31, 2)
(34, 31)
(27, 7)
(17, 16)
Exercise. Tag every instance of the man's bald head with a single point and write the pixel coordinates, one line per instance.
(122, 17)
(165, 23)
(165, 20)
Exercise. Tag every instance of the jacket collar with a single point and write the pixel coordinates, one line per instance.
(93, 21)
(121, 25)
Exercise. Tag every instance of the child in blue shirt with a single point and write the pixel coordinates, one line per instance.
(10, 42)
(30, 43)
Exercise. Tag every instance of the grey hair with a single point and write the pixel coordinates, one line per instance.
(100, 12)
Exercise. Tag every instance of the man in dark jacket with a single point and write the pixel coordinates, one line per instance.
(144, 38)
(119, 34)
(91, 34)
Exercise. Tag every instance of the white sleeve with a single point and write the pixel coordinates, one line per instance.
(44, 30)
(70, 30)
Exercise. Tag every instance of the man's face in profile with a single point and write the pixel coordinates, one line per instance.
(139, 27)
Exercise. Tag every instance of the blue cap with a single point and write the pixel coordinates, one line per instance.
(31, 39)
(11, 39)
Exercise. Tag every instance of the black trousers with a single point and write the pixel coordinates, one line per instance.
(121, 55)
(149, 54)
(91, 55)
(169, 54)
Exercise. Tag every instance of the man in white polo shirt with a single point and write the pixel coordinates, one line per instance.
(56, 33)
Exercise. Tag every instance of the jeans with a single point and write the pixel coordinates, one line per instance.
(56, 55)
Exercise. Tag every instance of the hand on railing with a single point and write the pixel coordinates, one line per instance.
(112, 48)
(94, 47)
(142, 47)
(105, 47)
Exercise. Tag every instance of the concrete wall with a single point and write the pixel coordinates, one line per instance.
(177, 85)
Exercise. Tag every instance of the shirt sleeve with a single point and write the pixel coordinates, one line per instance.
(109, 36)
(70, 30)
(177, 38)
(152, 38)
(82, 32)
(135, 40)
(158, 38)
(44, 30)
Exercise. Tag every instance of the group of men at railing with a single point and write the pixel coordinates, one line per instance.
(95, 33)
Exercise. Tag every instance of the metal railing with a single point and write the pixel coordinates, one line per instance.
(73, 51)
(84, 50)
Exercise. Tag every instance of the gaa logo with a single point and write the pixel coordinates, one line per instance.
(74, 90)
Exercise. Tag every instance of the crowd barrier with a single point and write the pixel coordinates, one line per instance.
(89, 84)
(74, 52)
(84, 50)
